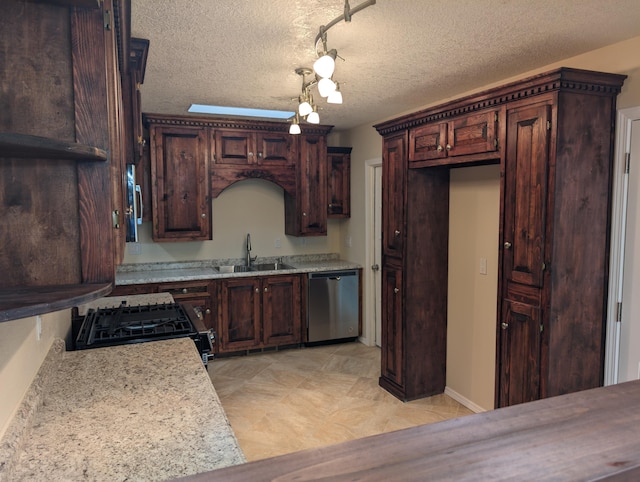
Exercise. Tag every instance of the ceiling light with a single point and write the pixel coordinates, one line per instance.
(294, 128)
(304, 109)
(335, 97)
(326, 86)
(314, 118)
(326, 64)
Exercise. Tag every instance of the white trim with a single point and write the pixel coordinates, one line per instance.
(618, 224)
(474, 407)
(368, 309)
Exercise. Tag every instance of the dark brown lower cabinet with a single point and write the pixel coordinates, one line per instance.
(392, 332)
(259, 312)
(520, 336)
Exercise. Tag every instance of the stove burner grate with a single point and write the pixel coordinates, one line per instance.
(133, 324)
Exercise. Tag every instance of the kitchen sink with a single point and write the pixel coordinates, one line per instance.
(237, 268)
(240, 268)
(270, 266)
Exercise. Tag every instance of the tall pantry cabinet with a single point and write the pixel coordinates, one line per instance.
(552, 136)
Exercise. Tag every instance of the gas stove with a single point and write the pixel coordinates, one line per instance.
(137, 324)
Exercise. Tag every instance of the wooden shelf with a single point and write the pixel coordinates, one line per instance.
(27, 301)
(35, 147)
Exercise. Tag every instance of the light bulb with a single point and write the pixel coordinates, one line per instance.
(325, 65)
(294, 128)
(305, 108)
(335, 97)
(326, 86)
(313, 118)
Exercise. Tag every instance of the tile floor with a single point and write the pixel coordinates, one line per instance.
(290, 400)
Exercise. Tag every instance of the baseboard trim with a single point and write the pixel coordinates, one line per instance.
(474, 407)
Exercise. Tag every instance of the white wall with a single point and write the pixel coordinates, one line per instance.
(22, 353)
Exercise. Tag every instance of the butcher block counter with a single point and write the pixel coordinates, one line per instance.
(144, 411)
(589, 435)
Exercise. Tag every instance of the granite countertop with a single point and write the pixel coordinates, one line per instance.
(145, 411)
(132, 274)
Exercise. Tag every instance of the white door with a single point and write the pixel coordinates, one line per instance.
(630, 328)
(377, 262)
(622, 360)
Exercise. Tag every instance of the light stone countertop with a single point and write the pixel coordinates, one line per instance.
(132, 274)
(144, 411)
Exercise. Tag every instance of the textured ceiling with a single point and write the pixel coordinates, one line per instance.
(398, 54)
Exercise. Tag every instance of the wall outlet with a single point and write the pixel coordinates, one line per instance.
(347, 241)
(483, 265)
(134, 248)
(38, 327)
(277, 243)
(638, 370)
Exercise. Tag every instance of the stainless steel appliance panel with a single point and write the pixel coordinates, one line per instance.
(332, 305)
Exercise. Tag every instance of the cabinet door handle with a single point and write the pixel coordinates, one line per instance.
(185, 290)
(507, 245)
(396, 232)
(251, 154)
(203, 215)
(504, 325)
(396, 290)
(257, 290)
(208, 311)
(448, 147)
(439, 148)
(265, 290)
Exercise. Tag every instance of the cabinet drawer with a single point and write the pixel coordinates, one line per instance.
(180, 290)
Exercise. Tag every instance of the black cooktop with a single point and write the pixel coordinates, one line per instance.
(133, 324)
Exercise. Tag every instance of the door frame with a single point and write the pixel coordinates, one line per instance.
(370, 295)
(618, 229)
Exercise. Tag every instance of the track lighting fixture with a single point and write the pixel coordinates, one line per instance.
(324, 68)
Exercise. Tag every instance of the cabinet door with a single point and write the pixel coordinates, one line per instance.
(274, 149)
(235, 147)
(472, 134)
(199, 294)
(339, 188)
(281, 310)
(519, 357)
(393, 194)
(526, 194)
(313, 185)
(180, 191)
(239, 319)
(428, 142)
(392, 325)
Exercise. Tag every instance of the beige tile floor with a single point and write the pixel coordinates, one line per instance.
(285, 401)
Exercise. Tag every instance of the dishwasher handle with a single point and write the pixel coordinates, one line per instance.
(332, 275)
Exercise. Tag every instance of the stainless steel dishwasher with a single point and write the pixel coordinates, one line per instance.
(332, 306)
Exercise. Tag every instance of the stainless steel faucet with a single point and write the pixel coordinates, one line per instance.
(249, 258)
